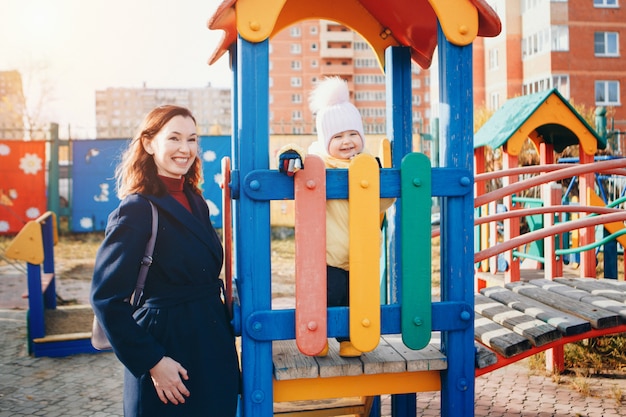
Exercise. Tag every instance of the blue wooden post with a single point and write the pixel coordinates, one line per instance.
(399, 123)
(36, 326)
(253, 224)
(457, 241)
(47, 234)
(610, 257)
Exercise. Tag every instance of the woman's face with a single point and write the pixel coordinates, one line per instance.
(175, 147)
(345, 145)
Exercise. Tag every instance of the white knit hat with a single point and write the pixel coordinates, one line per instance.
(330, 102)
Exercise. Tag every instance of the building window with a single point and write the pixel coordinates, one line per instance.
(314, 46)
(313, 30)
(314, 63)
(296, 98)
(493, 58)
(607, 93)
(295, 32)
(295, 48)
(604, 3)
(494, 101)
(296, 115)
(605, 44)
(559, 38)
(296, 65)
(296, 82)
(561, 83)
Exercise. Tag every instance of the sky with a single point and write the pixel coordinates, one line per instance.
(68, 49)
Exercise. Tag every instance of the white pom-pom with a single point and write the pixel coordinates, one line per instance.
(329, 92)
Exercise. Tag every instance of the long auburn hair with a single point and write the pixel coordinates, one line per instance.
(137, 171)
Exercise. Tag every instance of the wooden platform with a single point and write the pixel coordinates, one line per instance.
(523, 317)
(511, 322)
(391, 356)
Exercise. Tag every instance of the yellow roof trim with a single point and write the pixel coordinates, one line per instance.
(458, 19)
(256, 20)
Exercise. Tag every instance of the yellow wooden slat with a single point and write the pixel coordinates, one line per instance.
(364, 212)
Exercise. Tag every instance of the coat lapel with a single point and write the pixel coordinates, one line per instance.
(196, 222)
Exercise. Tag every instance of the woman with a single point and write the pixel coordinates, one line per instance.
(178, 346)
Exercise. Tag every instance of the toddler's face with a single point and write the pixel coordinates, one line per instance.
(345, 145)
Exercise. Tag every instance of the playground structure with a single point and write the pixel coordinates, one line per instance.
(412, 344)
(398, 32)
(47, 323)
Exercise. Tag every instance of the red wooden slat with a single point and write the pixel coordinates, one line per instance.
(227, 229)
(310, 235)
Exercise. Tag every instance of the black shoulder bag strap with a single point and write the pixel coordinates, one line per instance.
(147, 258)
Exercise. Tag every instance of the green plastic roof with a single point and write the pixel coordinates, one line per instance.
(516, 111)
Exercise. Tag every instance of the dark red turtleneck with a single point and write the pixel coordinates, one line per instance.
(175, 188)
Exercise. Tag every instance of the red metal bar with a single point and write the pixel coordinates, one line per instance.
(502, 361)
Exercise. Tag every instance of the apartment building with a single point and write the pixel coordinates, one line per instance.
(119, 111)
(303, 53)
(12, 106)
(573, 46)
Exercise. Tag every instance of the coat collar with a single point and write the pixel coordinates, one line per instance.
(197, 222)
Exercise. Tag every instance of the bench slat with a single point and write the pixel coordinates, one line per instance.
(63, 337)
(391, 356)
(598, 317)
(429, 358)
(614, 306)
(289, 363)
(538, 332)
(567, 324)
(600, 287)
(499, 338)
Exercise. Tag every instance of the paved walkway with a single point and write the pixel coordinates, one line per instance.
(91, 385)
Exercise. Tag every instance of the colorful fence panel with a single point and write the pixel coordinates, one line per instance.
(22, 183)
(93, 182)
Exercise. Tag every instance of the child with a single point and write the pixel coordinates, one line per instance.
(340, 138)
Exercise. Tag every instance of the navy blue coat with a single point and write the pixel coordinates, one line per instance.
(182, 317)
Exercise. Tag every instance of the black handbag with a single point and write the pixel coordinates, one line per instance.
(98, 339)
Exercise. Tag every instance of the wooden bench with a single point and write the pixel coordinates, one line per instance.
(391, 368)
(521, 317)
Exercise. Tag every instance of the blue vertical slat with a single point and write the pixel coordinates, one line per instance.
(36, 326)
(399, 132)
(47, 235)
(254, 222)
(457, 242)
(398, 110)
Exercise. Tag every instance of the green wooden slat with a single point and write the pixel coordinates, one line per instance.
(416, 250)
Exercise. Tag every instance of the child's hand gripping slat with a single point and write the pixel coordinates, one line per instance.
(416, 250)
(310, 236)
(364, 203)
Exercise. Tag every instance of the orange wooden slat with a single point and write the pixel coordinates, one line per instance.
(310, 236)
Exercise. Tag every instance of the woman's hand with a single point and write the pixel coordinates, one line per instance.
(166, 376)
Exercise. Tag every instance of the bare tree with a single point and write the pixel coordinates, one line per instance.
(38, 93)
